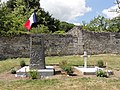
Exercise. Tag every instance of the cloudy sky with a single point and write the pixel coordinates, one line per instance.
(76, 11)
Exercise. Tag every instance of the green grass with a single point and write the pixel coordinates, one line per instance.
(28, 84)
(8, 64)
(73, 60)
(113, 61)
(63, 82)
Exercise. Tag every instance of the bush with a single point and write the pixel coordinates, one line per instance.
(13, 71)
(100, 63)
(66, 67)
(101, 73)
(22, 63)
(33, 74)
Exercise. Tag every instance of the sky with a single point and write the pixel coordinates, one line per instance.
(77, 11)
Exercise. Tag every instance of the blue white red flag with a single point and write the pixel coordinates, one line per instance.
(30, 21)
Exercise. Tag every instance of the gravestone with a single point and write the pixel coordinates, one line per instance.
(85, 56)
(37, 56)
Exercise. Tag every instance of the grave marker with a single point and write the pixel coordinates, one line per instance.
(37, 56)
(85, 56)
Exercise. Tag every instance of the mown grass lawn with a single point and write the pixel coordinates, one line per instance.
(64, 82)
(113, 61)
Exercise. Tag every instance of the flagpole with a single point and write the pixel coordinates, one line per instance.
(30, 44)
(28, 25)
(30, 33)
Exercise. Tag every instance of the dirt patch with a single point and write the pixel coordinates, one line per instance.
(59, 74)
(116, 73)
(9, 76)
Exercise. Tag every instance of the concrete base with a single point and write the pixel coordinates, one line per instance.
(91, 71)
(23, 72)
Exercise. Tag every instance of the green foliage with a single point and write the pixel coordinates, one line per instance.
(102, 24)
(100, 63)
(66, 67)
(99, 23)
(15, 13)
(13, 71)
(33, 74)
(64, 26)
(59, 32)
(22, 63)
(40, 29)
(101, 73)
(114, 25)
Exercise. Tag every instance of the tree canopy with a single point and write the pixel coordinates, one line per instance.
(14, 14)
(102, 24)
(118, 4)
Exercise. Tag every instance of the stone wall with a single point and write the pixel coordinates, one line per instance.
(73, 43)
(59, 44)
(17, 46)
(101, 43)
(97, 42)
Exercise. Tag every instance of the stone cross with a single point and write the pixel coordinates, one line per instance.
(85, 56)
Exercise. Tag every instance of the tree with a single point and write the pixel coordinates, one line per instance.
(16, 12)
(65, 26)
(99, 23)
(114, 25)
(118, 4)
(4, 18)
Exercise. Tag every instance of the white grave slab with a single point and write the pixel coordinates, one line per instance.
(23, 72)
(88, 71)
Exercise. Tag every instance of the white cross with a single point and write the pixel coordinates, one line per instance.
(85, 56)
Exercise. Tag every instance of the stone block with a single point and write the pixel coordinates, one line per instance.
(23, 72)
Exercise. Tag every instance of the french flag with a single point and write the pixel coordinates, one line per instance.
(30, 21)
